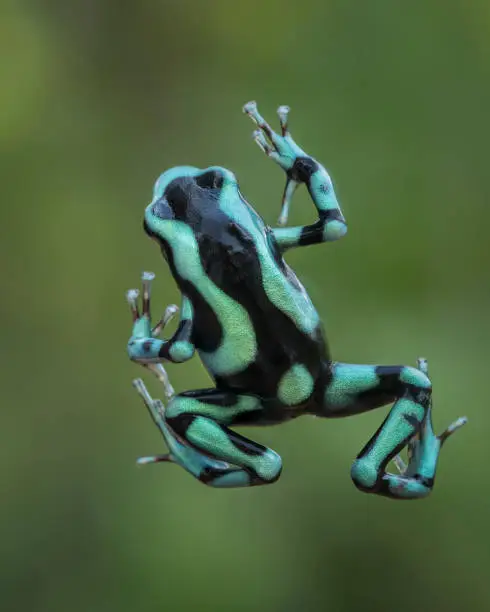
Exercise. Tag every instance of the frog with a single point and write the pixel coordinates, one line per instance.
(256, 331)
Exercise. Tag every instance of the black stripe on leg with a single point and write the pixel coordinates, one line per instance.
(413, 421)
(427, 482)
(208, 473)
(303, 169)
(183, 332)
(213, 397)
(181, 423)
(313, 234)
(243, 444)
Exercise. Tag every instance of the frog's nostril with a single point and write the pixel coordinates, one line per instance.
(210, 180)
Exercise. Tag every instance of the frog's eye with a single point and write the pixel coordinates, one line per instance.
(161, 209)
(210, 180)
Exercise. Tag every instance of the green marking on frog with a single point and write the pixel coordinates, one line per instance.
(295, 386)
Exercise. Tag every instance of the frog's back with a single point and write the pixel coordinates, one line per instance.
(268, 329)
(254, 320)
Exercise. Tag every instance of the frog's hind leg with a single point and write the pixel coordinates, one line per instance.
(204, 446)
(357, 388)
(201, 419)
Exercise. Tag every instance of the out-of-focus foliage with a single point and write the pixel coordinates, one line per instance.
(97, 99)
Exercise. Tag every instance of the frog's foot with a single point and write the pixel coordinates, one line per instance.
(417, 478)
(213, 472)
(423, 448)
(284, 151)
(143, 334)
(156, 409)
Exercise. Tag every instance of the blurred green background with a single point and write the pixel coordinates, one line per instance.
(97, 99)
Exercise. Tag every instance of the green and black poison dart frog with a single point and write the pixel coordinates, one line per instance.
(260, 337)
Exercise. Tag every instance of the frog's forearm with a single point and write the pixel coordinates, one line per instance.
(152, 350)
(177, 349)
(331, 224)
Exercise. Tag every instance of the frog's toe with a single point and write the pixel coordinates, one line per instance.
(168, 315)
(154, 459)
(400, 464)
(161, 373)
(132, 299)
(283, 112)
(155, 407)
(261, 141)
(132, 295)
(146, 278)
(457, 424)
(251, 110)
(141, 320)
(423, 365)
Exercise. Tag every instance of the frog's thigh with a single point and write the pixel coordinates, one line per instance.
(201, 419)
(356, 388)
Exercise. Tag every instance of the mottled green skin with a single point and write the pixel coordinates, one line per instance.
(260, 337)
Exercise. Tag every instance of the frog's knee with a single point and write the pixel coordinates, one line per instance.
(417, 384)
(177, 409)
(417, 378)
(364, 474)
(269, 466)
(334, 230)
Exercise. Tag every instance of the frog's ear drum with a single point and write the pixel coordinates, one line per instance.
(210, 180)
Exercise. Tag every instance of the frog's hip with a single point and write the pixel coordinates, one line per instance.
(283, 393)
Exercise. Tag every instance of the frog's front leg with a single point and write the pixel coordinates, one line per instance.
(357, 388)
(144, 346)
(194, 426)
(300, 168)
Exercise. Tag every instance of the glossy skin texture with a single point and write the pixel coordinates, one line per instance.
(259, 336)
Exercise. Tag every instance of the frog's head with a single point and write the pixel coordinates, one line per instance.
(187, 200)
(187, 177)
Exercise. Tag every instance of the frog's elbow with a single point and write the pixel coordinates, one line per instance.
(334, 230)
(181, 351)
